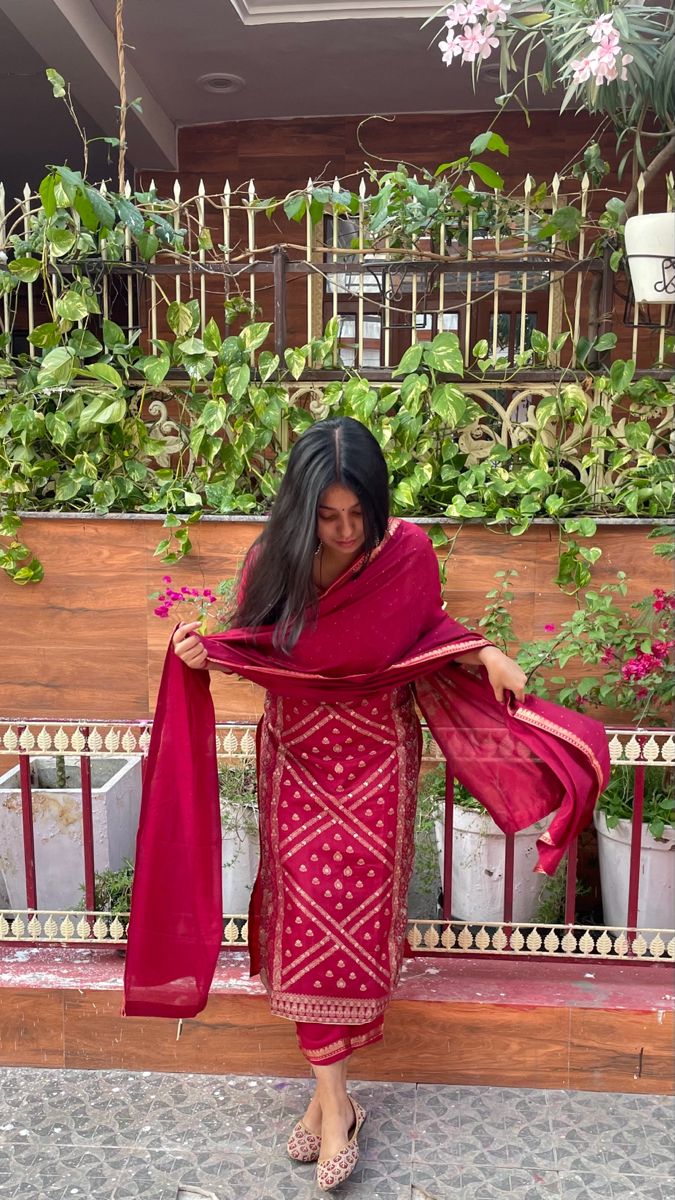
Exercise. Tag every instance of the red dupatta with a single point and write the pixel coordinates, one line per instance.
(377, 629)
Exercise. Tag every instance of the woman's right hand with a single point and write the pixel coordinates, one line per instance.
(188, 647)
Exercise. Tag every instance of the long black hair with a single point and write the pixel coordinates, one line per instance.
(278, 568)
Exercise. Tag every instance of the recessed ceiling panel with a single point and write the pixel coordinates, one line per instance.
(278, 12)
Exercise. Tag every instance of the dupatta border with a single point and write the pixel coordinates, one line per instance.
(543, 723)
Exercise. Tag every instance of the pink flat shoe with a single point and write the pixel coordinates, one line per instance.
(303, 1145)
(332, 1171)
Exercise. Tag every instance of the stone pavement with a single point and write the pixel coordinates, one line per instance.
(117, 1135)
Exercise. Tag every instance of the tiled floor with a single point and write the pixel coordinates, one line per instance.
(113, 1135)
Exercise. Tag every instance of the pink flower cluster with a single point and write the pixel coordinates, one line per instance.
(663, 601)
(605, 62)
(171, 596)
(471, 29)
(647, 663)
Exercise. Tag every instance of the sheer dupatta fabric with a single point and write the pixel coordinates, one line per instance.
(380, 626)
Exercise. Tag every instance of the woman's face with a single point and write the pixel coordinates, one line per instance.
(340, 521)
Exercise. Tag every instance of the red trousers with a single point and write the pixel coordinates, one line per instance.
(326, 1044)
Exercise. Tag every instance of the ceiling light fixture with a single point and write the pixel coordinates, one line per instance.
(221, 82)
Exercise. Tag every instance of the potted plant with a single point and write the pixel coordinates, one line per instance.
(613, 822)
(241, 842)
(478, 856)
(57, 825)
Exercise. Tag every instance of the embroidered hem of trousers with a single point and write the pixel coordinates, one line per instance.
(326, 1044)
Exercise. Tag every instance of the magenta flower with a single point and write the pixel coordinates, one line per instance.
(166, 579)
(549, 628)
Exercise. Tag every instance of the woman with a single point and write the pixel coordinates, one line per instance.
(339, 612)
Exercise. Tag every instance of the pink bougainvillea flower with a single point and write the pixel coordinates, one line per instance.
(166, 579)
(607, 656)
(549, 628)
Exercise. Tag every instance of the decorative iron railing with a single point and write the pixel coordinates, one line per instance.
(492, 285)
(26, 739)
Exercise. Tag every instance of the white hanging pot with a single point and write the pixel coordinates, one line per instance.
(650, 250)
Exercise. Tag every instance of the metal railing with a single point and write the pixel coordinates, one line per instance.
(25, 740)
(487, 285)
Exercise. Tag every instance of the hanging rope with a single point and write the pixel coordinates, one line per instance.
(119, 37)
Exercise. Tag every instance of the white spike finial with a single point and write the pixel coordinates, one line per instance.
(336, 184)
(227, 191)
(176, 191)
(362, 188)
(251, 190)
(201, 190)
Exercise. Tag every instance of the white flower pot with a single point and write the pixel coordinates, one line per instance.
(241, 855)
(478, 868)
(656, 897)
(57, 827)
(650, 250)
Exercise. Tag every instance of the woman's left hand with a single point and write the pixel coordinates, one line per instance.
(503, 672)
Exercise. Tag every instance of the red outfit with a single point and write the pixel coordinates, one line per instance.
(338, 761)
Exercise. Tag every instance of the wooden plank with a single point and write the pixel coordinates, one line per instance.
(636, 1050)
(31, 1027)
(95, 648)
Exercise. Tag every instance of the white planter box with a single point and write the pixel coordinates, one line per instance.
(478, 868)
(656, 897)
(650, 250)
(241, 855)
(57, 825)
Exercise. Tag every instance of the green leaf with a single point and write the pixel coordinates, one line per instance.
(61, 241)
(47, 195)
(444, 354)
(295, 207)
(26, 269)
(67, 487)
(113, 335)
(129, 215)
(295, 360)
(103, 211)
(539, 342)
(105, 373)
(179, 318)
(237, 380)
(489, 141)
(45, 336)
(448, 403)
(103, 494)
(110, 413)
(606, 342)
(58, 83)
(487, 175)
(71, 306)
(155, 368)
(268, 363)
(213, 416)
(190, 346)
(254, 335)
(84, 344)
(212, 337)
(57, 368)
(637, 434)
(148, 245)
(412, 388)
(59, 430)
(410, 361)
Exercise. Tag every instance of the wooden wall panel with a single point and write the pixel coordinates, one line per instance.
(502, 1045)
(85, 642)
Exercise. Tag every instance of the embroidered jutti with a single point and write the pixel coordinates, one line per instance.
(338, 760)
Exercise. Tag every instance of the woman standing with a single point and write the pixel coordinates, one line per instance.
(339, 613)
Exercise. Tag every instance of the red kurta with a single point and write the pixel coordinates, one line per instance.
(338, 761)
